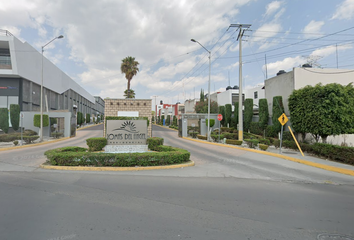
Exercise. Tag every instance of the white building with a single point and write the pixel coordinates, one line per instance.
(20, 83)
(284, 84)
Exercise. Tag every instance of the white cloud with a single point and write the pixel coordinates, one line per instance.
(326, 51)
(313, 29)
(285, 64)
(272, 7)
(344, 11)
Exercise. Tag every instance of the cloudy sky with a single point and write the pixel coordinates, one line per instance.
(99, 34)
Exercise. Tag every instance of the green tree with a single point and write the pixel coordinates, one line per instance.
(130, 95)
(228, 113)
(278, 110)
(4, 119)
(168, 120)
(222, 112)
(78, 118)
(212, 122)
(158, 119)
(201, 95)
(37, 120)
(202, 107)
(15, 116)
(234, 120)
(323, 110)
(129, 67)
(248, 113)
(263, 113)
(174, 121)
(153, 118)
(88, 119)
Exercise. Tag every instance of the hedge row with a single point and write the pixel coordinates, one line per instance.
(333, 152)
(76, 156)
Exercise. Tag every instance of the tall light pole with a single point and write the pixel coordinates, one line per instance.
(41, 104)
(241, 28)
(208, 138)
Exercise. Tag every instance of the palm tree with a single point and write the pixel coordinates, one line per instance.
(130, 68)
(130, 95)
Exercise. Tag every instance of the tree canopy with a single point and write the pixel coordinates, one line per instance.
(202, 107)
(129, 67)
(323, 110)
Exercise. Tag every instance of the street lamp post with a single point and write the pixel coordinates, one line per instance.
(41, 104)
(208, 136)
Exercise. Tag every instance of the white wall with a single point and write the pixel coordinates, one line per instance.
(313, 76)
(249, 93)
(282, 85)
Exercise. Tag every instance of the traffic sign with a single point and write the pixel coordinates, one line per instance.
(283, 119)
(219, 117)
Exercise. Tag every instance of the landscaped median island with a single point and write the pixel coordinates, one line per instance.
(159, 155)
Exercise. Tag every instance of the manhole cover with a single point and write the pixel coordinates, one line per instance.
(334, 237)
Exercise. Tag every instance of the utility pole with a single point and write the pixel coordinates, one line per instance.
(241, 28)
(155, 109)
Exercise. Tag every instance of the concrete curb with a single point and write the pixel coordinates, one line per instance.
(117, 169)
(88, 126)
(309, 163)
(34, 144)
(43, 143)
(166, 127)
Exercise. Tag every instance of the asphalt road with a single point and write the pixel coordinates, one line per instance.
(229, 194)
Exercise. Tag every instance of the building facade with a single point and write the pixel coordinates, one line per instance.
(21, 76)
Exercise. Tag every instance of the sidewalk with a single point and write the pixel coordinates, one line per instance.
(10, 145)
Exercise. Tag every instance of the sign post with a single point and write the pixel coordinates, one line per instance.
(283, 120)
(21, 114)
(219, 118)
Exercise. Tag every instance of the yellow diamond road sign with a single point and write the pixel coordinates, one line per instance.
(283, 119)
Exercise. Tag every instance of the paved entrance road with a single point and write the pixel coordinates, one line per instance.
(229, 194)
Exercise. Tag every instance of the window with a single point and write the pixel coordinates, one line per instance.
(255, 95)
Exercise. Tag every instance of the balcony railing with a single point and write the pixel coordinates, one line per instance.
(5, 32)
(5, 62)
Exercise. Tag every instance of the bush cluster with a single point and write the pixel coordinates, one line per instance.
(255, 128)
(30, 139)
(154, 143)
(96, 144)
(252, 143)
(16, 136)
(233, 142)
(202, 137)
(263, 147)
(75, 156)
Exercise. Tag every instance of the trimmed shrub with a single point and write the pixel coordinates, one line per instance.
(212, 122)
(264, 141)
(263, 113)
(166, 156)
(96, 144)
(215, 137)
(15, 142)
(88, 119)
(248, 114)
(37, 120)
(228, 113)
(278, 109)
(271, 132)
(226, 129)
(234, 120)
(289, 144)
(154, 143)
(263, 147)
(276, 143)
(287, 136)
(233, 142)
(29, 132)
(4, 120)
(252, 143)
(30, 139)
(15, 116)
(256, 129)
(230, 135)
(202, 137)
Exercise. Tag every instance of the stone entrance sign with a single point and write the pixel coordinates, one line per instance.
(126, 132)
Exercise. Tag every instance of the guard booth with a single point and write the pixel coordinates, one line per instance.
(197, 121)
